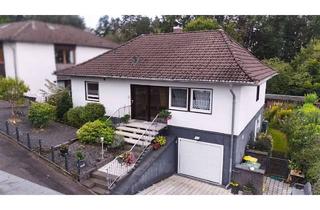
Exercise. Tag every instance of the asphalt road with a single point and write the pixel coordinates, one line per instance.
(18, 161)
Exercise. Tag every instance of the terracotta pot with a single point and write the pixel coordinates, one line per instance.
(156, 146)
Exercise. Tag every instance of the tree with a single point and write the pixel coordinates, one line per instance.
(12, 90)
(202, 23)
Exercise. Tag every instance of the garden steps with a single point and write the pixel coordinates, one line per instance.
(100, 191)
(136, 130)
(135, 136)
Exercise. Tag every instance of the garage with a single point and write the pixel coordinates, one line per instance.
(200, 159)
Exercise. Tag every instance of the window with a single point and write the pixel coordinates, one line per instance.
(179, 98)
(64, 54)
(201, 100)
(92, 91)
(258, 93)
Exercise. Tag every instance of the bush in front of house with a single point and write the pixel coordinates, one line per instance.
(62, 101)
(80, 115)
(263, 142)
(93, 111)
(40, 114)
(311, 98)
(91, 132)
(74, 116)
(118, 142)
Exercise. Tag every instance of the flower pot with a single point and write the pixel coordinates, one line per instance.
(156, 146)
(81, 163)
(235, 190)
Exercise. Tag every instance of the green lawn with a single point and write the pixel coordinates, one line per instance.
(280, 141)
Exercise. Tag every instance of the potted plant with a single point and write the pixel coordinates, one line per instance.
(165, 115)
(158, 142)
(125, 119)
(128, 158)
(248, 189)
(235, 187)
(64, 149)
(80, 159)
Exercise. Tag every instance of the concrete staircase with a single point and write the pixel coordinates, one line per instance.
(97, 183)
(134, 129)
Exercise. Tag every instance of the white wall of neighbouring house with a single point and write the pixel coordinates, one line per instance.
(35, 62)
(85, 53)
(115, 93)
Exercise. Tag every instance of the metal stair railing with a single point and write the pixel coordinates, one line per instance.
(117, 166)
(118, 114)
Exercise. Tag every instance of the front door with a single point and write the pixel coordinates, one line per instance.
(148, 101)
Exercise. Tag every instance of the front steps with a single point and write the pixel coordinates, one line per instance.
(97, 183)
(134, 129)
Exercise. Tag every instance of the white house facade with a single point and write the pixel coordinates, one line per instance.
(213, 87)
(34, 58)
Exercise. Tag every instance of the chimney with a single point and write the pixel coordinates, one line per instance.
(177, 29)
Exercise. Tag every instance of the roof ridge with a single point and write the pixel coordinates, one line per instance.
(233, 55)
(21, 29)
(109, 51)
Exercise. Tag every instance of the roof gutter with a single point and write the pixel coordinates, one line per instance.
(232, 131)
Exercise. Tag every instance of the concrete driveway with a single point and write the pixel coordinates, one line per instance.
(179, 185)
(22, 163)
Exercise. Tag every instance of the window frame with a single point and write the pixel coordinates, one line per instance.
(72, 50)
(87, 92)
(201, 110)
(170, 99)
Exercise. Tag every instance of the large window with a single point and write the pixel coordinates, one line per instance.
(179, 98)
(258, 93)
(65, 54)
(201, 100)
(92, 91)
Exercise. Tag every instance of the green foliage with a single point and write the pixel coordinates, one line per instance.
(311, 98)
(125, 118)
(79, 155)
(78, 116)
(162, 140)
(74, 116)
(63, 102)
(40, 114)
(316, 188)
(12, 90)
(91, 132)
(313, 173)
(201, 23)
(118, 142)
(165, 114)
(280, 141)
(262, 143)
(278, 114)
(93, 111)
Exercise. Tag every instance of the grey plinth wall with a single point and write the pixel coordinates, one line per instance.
(156, 166)
(243, 175)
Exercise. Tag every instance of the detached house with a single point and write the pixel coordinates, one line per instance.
(33, 50)
(214, 88)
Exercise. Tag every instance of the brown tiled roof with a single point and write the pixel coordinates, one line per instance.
(210, 56)
(41, 32)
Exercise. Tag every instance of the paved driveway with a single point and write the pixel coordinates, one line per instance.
(179, 185)
(19, 162)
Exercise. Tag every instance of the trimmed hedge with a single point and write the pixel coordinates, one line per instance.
(91, 132)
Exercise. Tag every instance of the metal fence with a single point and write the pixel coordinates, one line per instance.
(68, 163)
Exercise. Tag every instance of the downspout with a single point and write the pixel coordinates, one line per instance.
(232, 131)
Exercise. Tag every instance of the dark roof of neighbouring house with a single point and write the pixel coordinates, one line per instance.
(42, 32)
(207, 56)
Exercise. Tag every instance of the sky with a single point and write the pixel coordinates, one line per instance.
(91, 21)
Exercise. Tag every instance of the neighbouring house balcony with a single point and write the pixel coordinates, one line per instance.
(60, 66)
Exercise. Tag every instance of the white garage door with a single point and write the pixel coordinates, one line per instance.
(200, 159)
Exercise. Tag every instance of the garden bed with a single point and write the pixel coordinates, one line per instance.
(280, 142)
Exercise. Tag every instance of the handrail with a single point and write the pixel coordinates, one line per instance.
(116, 158)
(113, 114)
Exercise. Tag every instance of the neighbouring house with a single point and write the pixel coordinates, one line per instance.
(33, 50)
(213, 87)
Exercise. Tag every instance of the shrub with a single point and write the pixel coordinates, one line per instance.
(313, 173)
(91, 132)
(311, 98)
(125, 118)
(162, 140)
(62, 101)
(93, 111)
(316, 188)
(40, 114)
(118, 142)
(263, 142)
(74, 116)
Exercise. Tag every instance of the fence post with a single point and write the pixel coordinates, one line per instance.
(52, 153)
(28, 141)
(78, 169)
(40, 146)
(66, 162)
(17, 134)
(7, 127)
